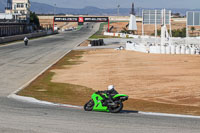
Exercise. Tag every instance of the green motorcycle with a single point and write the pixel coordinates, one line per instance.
(100, 102)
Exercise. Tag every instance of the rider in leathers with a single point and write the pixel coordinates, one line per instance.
(110, 92)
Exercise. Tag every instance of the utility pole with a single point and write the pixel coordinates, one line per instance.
(118, 6)
(54, 12)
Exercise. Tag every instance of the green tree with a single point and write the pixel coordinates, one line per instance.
(192, 29)
(183, 32)
(34, 20)
(176, 32)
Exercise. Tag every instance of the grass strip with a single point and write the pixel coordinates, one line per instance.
(98, 34)
(43, 89)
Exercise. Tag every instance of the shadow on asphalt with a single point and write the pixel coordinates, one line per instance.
(128, 111)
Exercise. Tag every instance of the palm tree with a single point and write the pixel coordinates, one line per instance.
(192, 29)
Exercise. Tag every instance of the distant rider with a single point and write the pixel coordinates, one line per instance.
(26, 41)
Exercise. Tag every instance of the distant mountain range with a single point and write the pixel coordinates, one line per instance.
(44, 8)
(40, 8)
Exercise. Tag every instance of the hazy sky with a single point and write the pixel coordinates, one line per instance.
(124, 3)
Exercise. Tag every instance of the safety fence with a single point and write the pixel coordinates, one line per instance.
(123, 35)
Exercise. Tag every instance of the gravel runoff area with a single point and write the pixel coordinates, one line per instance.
(171, 80)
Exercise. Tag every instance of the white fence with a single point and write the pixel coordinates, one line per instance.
(123, 35)
(158, 49)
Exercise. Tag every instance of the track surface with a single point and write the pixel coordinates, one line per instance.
(19, 64)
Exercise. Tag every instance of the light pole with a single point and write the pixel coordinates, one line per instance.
(118, 6)
(118, 10)
(54, 16)
(54, 12)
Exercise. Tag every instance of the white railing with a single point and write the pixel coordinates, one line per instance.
(168, 49)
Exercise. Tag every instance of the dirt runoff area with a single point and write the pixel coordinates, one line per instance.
(168, 79)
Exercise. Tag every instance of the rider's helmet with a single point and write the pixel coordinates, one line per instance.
(111, 87)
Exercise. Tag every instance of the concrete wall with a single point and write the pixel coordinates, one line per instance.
(10, 29)
(21, 37)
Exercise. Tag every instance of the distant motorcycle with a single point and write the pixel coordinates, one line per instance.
(100, 102)
(25, 41)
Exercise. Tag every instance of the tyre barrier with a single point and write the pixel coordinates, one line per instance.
(99, 42)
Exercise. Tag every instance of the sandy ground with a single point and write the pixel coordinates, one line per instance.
(70, 25)
(118, 26)
(173, 79)
(149, 29)
(85, 43)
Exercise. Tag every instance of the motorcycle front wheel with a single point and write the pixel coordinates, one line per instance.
(89, 106)
(117, 108)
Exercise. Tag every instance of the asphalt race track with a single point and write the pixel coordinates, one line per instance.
(19, 64)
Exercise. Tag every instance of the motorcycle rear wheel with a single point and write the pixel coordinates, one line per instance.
(89, 106)
(118, 108)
